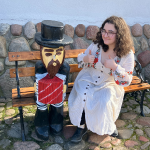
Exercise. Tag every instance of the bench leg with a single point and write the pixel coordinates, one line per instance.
(22, 124)
(141, 103)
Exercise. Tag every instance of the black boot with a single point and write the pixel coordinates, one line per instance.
(56, 119)
(77, 137)
(42, 124)
(115, 134)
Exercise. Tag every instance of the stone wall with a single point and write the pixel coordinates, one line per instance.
(21, 38)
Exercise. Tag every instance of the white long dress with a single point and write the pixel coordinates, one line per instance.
(99, 91)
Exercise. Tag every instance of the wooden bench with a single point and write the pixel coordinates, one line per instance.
(25, 96)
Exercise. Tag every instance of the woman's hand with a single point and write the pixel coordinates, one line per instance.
(110, 63)
(89, 58)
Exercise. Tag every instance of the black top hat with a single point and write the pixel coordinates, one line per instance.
(52, 34)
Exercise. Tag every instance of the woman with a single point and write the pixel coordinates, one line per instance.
(98, 92)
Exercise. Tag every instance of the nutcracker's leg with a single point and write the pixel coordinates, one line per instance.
(41, 122)
(56, 119)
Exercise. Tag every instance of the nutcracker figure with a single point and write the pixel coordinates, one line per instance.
(51, 78)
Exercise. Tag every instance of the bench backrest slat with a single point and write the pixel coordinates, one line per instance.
(30, 71)
(35, 55)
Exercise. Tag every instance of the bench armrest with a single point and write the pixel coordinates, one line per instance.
(138, 70)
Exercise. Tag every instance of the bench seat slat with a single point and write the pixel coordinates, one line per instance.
(27, 94)
(23, 90)
(35, 55)
(27, 101)
(23, 102)
(132, 88)
(30, 89)
(135, 81)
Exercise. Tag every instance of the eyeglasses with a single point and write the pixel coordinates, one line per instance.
(110, 34)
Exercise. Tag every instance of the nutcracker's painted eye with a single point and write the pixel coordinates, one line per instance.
(48, 54)
(58, 53)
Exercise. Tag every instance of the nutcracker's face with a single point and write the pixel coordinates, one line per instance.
(52, 59)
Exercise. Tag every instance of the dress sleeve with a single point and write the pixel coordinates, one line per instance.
(80, 57)
(123, 73)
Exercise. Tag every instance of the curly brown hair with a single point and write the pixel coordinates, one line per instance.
(124, 42)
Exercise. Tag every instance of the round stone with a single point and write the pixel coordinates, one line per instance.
(79, 43)
(146, 29)
(144, 139)
(98, 139)
(129, 126)
(58, 140)
(80, 30)
(3, 51)
(29, 30)
(125, 133)
(35, 46)
(120, 123)
(1, 109)
(138, 125)
(69, 30)
(134, 137)
(29, 115)
(139, 132)
(38, 27)
(8, 120)
(4, 143)
(26, 145)
(16, 29)
(143, 58)
(106, 145)
(144, 44)
(19, 44)
(2, 104)
(137, 30)
(144, 121)
(130, 143)
(25, 109)
(9, 105)
(123, 110)
(145, 145)
(74, 146)
(54, 147)
(116, 142)
(10, 112)
(128, 116)
(133, 102)
(146, 110)
(3, 100)
(4, 27)
(15, 130)
(147, 130)
(91, 32)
